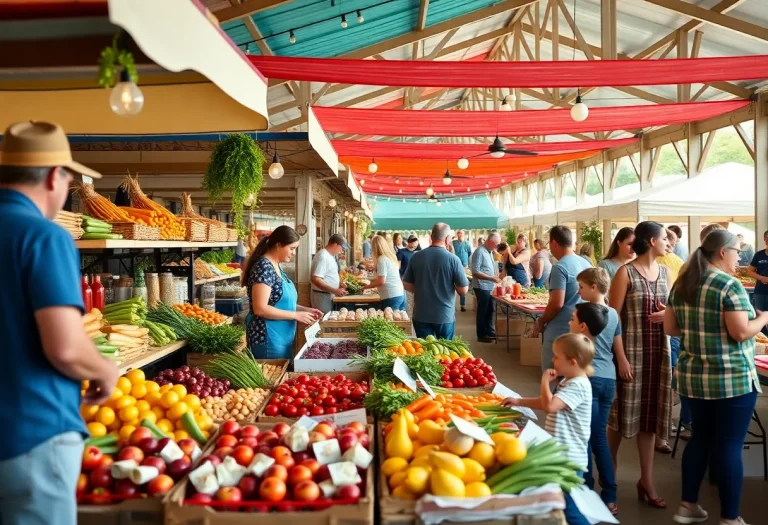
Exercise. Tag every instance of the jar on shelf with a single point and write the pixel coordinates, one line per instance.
(208, 297)
(153, 288)
(109, 289)
(182, 291)
(124, 290)
(167, 288)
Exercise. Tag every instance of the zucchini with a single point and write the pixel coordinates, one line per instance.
(109, 450)
(159, 434)
(96, 236)
(190, 425)
(96, 229)
(106, 349)
(101, 340)
(91, 221)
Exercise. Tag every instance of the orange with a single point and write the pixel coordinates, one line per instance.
(165, 388)
(192, 401)
(105, 416)
(158, 411)
(148, 414)
(116, 424)
(180, 434)
(177, 410)
(153, 398)
(136, 376)
(169, 399)
(125, 401)
(152, 386)
(180, 389)
(124, 384)
(88, 412)
(126, 431)
(139, 391)
(96, 429)
(165, 425)
(128, 413)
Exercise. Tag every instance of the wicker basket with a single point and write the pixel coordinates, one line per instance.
(136, 232)
(217, 233)
(195, 231)
(231, 235)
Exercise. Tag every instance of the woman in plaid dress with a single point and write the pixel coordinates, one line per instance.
(644, 402)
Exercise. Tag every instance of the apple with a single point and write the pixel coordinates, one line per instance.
(230, 428)
(325, 429)
(330, 423)
(249, 431)
(314, 437)
(299, 457)
(101, 477)
(148, 446)
(106, 461)
(101, 496)
(269, 439)
(249, 486)
(281, 429)
(272, 489)
(229, 494)
(226, 441)
(155, 461)
(264, 449)
(322, 473)
(139, 434)
(251, 442)
(243, 455)
(357, 426)
(126, 487)
(347, 441)
(160, 485)
(348, 492)
(132, 452)
(223, 452)
(201, 498)
(364, 440)
(213, 460)
(312, 464)
(187, 446)
(82, 484)
(279, 472)
(162, 443)
(299, 473)
(306, 490)
(91, 458)
(179, 468)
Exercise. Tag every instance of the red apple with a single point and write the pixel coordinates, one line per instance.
(299, 473)
(101, 496)
(249, 486)
(101, 477)
(243, 455)
(226, 441)
(201, 498)
(213, 460)
(155, 461)
(179, 468)
(264, 449)
(249, 442)
(306, 491)
(357, 426)
(132, 452)
(229, 494)
(348, 492)
(325, 429)
(249, 431)
(223, 452)
(269, 439)
(162, 443)
(314, 437)
(364, 440)
(281, 429)
(106, 461)
(91, 458)
(148, 446)
(126, 487)
(139, 434)
(298, 457)
(279, 472)
(330, 423)
(347, 441)
(272, 489)
(312, 464)
(187, 446)
(229, 428)
(160, 485)
(322, 473)
(82, 484)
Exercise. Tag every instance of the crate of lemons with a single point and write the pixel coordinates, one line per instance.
(136, 399)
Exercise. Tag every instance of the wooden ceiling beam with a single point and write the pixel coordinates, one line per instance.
(712, 17)
(246, 8)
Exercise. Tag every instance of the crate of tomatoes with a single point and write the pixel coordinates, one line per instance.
(316, 394)
(318, 474)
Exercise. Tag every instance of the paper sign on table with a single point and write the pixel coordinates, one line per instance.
(401, 371)
(533, 433)
(343, 418)
(508, 392)
(306, 422)
(425, 386)
(311, 332)
(591, 506)
(473, 431)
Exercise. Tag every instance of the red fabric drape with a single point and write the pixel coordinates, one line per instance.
(477, 167)
(421, 123)
(417, 150)
(542, 74)
(459, 188)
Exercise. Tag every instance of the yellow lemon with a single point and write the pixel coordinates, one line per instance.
(180, 389)
(124, 384)
(124, 401)
(180, 434)
(148, 414)
(96, 429)
(165, 425)
(136, 376)
(159, 412)
(126, 431)
(483, 453)
(192, 401)
(88, 412)
(139, 391)
(169, 399)
(165, 388)
(105, 416)
(177, 410)
(116, 424)
(128, 413)
(153, 398)
(178, 425)
(143, 405)
(477, 489)
(152, 386)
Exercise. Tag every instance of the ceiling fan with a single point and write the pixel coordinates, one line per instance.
(497, 150)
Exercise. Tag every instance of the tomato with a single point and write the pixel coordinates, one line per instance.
(446, 384)
(322, 391)
(357, 394)
(482, 381)
(339, 378)
(293, 391)
(303, 379)
(298, 402)
(472, 382)
(486, 369)
(454, 373)
(303, 411)
(317, 410)
(477, 373)
(326, 378)
(458, 383)
(288, 400)
(344, 392)
(466, 378)
(329, 401)
(271, 410)
(445, 377)
(290, 411)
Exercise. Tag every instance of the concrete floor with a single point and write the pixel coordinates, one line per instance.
(526, 380)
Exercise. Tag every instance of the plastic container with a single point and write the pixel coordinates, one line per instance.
(232, 307)
(208, 297)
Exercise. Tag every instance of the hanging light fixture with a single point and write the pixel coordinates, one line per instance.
(579, 111)
(403, 201)
(247, 49)
(400, 190)
(397, 180)
(373, 167)
(355, 219)
(389, 198)
(276, 170)
(332, 203)
(381, 188)
(360, 18)
(463, 163)
(421, 183)
(362, 182)
(430, 191)
(344, 21)
(451, 192)
(447, 177)
(505, 105)
(346, 213)
(497, 148)
(291, 37)
(438, 203)
(503, 181)
(487, 185)
(126, 99)
(511, 97)
(469, 189)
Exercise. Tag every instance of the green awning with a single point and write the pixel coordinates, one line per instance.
(469, 213)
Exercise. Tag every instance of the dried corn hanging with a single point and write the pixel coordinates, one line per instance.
(187, 210)
(100, 207)
(170, 226)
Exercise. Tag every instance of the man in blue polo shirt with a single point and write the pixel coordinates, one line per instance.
(46, 351)
(463, 250)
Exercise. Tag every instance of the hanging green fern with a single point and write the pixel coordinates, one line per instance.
(111, 57)
(236, 166)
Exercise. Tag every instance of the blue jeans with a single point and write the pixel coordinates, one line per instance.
(462, 300)
(603, 392)
(573, 515)
(541, 282)
(440, 331)
(238, 259)
(485, 311)
(761, 303)
(396, 303)
(685, 410)
(719, 430)
(39, 487)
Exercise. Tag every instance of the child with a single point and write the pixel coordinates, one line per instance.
(569, 410)
(601, 324)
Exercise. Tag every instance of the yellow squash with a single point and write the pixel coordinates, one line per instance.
(448, 462)
(443, 483)
(398, 443)
(430, 433)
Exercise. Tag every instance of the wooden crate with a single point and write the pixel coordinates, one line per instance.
(216, 233)
(138, 511)
(348, 329)
(360, 513)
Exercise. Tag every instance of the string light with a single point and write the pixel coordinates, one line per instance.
(332, 203)
(463, 163)
(397, 180)
(400, 190)
(291, 37)
(447, 177)
(580, 111)
(381, 188)
(247, 49)
(360, 18)
(421, 183)
(362, 182)
(469, 189)
(373, 167)
(389, 198)
(430, 191)
(344, 21)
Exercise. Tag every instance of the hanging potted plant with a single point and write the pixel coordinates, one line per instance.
(236, 166)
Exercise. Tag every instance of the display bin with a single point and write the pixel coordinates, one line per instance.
(178, 511)
(138, 511)
(324, 365)
(349, 328)
(232, 307)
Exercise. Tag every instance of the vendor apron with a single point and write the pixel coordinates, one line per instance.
(280, 333)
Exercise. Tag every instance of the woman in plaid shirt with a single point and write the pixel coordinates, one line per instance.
(710, 311)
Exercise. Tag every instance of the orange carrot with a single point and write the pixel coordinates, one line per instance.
(417, 405)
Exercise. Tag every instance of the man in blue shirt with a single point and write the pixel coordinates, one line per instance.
(463, 250)
(563, 291)
(46, 349)
(367, 247)
(405, 255)
(485, 273)
(435, 276)
(680, 249)
(758, 270)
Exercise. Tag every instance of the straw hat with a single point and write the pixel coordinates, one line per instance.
(39, 144)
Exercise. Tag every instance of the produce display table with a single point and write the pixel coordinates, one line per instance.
(522, 307)
(235, 275)
(154, 354)
(363, 300)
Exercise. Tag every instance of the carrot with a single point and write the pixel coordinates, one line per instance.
(430, 410)
(417, 405)
(463, 404)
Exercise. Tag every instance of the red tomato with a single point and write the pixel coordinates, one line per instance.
(303, 411)
(330, 410)
(446, 384)
(472, 382)
(290, 411)
(317, 410)
(293, 391)
(303, 379)
(458, 383)
(329, 401)
(453, 373)
(271, 410)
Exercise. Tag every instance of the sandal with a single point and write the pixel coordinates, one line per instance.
(663, 447)
(613, 508)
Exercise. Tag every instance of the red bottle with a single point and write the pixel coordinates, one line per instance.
(97, 290)
(87, 294)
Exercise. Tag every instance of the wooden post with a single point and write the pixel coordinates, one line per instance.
(307, 241)
(647, 167)
(581, 182)
(761, 168)
(694, 159)
(558, 191)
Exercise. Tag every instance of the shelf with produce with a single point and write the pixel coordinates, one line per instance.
(235, 275)
(154, 354)
(108, 244)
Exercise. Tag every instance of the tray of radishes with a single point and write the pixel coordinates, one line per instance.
(329, 354)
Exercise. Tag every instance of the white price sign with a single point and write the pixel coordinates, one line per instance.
(508, 392)
(471, 430)
(401, 371)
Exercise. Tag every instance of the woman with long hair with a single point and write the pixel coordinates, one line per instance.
(619, 252)
(515, 258)
(271, 322)
(387, 279)
(644, 403)
(540, 264)
(716, 372)
(397, 242)
(587, 252)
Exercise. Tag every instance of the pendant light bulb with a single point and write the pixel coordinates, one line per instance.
(447, 178)
(360, 18)
(403, 201)
(505, 106)
(373, 167)
(389, 198)
(438, 203)
(511, 97)
(355, 219)
(463, 163)
(126, 99)
(291, 37)
(247, 49)
(487, 185)
(344, 21)
(362, 182)
(276, 170)
(430, 191)
(397, 180)
(400, 190)
(332, 203)
(421, 183)
(580, 111)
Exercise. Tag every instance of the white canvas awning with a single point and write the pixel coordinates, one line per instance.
(545, 219)
(585, 212)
